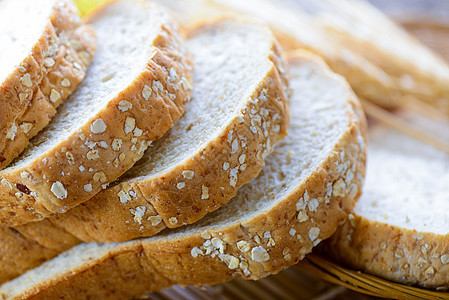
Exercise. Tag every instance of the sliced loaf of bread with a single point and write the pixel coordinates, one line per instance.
(199, 143)
(133, 93)
(45, 52)
(399, 228)
(238, 112)
(309, 184)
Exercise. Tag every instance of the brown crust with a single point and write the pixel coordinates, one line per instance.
(133, 268)
(48, 192)
(397, 254)
(104, 218)
(29, 247)
(27, 109)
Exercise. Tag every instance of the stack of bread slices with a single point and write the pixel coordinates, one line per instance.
(184, 156)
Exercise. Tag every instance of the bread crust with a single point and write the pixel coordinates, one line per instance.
(133, 268)
(86, 161)
(398, 254)
(63, 51)
(29, 247)
(394, 252)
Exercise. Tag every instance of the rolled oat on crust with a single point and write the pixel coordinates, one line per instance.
(108, 122)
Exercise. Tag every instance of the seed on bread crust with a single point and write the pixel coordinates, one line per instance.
(98, 126)
(59, 190)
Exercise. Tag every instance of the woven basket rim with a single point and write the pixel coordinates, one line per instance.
(365, 283)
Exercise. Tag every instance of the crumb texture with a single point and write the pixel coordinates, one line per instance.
(399, 227)
(223, 83)
(20, 33)
(406, 184)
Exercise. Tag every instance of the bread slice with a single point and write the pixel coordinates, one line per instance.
(47, 52)
(305, 190)
(237, 115)
(399, 227)
(134, 91)
(19, 252)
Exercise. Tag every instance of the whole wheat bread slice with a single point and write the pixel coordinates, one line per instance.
(238, 113)
(134, 91)
(221, 52)
(399, 228)
(45, 52)
(309, 184)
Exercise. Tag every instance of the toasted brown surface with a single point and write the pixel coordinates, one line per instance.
(57, 63)
(28, 247)
(251, 248)
(72, 173)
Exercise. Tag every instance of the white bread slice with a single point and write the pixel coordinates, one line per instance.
(399, 228)
(303, 193)
(238, 113)
(134, 91)
(48, 50)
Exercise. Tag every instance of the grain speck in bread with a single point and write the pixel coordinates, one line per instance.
(399, 227)
(45, 52)
(238, 114)
(107, 123)
(317, 171)
(25, 249)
